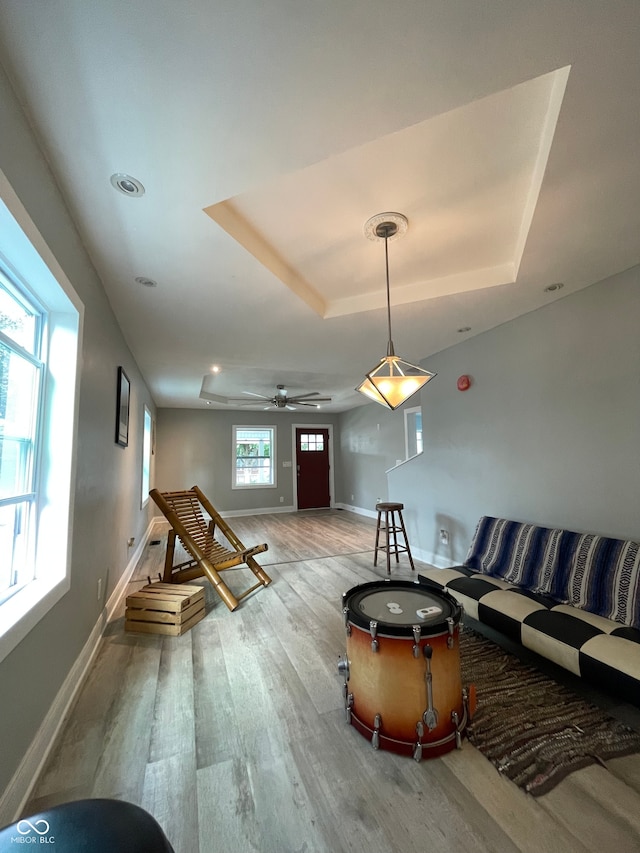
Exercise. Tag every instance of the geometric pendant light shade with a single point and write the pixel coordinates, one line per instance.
(392, 381)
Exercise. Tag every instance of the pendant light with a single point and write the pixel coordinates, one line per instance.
(392, 381)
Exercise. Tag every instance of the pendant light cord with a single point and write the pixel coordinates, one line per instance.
(390, 350)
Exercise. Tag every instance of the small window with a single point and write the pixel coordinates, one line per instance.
(146, 455)
(254, 457)
(413, 431)
(312, 442)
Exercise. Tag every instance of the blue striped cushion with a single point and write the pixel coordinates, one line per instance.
(604, 578)
(522, 554)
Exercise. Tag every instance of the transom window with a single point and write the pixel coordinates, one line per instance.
(312, 442)
(254, 457)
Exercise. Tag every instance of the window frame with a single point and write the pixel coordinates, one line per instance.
(147, 452)
(33, 270)
(413, 432)
(234, 468)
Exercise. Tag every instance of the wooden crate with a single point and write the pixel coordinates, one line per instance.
(164, 608)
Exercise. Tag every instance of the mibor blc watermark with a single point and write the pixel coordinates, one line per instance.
(38, 832)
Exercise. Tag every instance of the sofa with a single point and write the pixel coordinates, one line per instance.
(573, 598)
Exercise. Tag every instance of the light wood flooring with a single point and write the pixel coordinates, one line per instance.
(234, 736)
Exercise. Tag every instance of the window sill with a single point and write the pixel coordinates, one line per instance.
(22, 612)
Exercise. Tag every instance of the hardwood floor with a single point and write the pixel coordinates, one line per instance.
(234, 736)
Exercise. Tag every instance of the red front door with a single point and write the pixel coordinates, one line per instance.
(312, 463)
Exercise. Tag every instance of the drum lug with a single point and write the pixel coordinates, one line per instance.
(343, 667)
(373, 630)
(375, 738)
(347, 624)
(417, 751)
(417, 630)
(456, 722)
(348, 704)
(451, 627)
(430, 716)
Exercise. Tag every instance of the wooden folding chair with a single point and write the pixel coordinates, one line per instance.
(184, 512)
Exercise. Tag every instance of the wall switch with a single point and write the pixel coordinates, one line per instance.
(286, 464)
(281, 500)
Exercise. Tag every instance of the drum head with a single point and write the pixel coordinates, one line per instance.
(399, 605)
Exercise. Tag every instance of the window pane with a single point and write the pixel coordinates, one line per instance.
(146, 455)
(18, 411)
(253, 457)
(312, 442)
(413, 431)
(16, 563)
(16, 322)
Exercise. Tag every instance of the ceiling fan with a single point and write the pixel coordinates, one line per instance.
(281, 400)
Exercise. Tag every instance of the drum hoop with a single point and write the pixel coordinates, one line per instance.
(408, 637)
(425, 744)
(395, 631)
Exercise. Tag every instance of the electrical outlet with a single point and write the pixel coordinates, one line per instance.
(352, 498)
(131, 542)
(444, 536)
(281, 500)
(99, 589)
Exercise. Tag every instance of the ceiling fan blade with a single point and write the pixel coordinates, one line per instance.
(260, 397)
(308, 405)
(310, 402)
(304, 396)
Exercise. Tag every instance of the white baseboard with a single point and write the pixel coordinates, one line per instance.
(19, 789)
(358, 510)
(435, 560)
(267, 510)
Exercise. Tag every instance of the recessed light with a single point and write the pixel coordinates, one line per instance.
(550, 288)
(127, 185)
(146, 282)
(464, 329)
(215, 368)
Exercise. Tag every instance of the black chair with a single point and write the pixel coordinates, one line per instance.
(88, 826)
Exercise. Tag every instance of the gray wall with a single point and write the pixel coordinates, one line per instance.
(107, 494)
(549, 432)
(194, 447)
(371, 442)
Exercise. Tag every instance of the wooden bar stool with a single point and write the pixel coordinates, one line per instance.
(391, 527)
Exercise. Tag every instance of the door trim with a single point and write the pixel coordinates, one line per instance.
(294, 479)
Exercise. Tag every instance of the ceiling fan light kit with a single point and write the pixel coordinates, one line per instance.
(392, 381)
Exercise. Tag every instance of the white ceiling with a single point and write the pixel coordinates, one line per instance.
(266, 134)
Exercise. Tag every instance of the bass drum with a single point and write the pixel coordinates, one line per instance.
(403, 687)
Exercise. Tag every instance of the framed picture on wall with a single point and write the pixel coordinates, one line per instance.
(122, 408)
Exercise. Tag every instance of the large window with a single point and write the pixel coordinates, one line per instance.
(40, 335)
(21, 324)
(254, 457)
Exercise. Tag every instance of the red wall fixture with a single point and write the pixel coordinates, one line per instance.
(464, 382)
